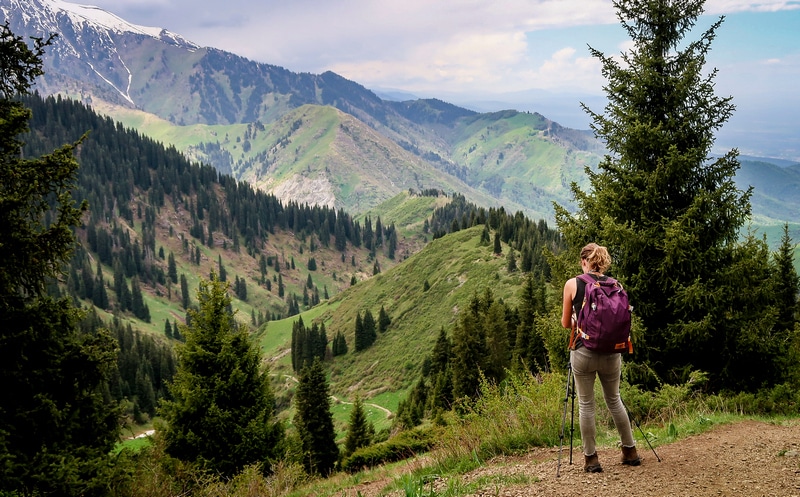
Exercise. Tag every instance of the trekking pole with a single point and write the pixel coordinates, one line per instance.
(572, 420)
(564, 423)
(631, 418)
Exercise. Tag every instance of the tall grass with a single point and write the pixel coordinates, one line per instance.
(520, 413)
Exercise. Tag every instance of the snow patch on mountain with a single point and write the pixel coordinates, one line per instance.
(47, 13)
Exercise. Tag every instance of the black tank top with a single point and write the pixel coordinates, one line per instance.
(580, 291)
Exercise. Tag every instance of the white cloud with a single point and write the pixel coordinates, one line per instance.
(731, 6)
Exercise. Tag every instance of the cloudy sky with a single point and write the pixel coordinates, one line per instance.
(524, 54)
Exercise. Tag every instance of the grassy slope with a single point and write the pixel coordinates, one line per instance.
(455, 266)
(361, 167)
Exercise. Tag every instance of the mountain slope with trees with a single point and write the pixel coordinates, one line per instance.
(188, 96)
(57, 425)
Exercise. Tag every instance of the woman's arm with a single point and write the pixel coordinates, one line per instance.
(570, 287)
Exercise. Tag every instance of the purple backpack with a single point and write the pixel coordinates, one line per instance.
(604, 320)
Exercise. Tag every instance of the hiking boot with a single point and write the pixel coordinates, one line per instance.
(630, 457)
(591, 464)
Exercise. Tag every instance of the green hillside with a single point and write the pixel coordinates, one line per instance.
(313, 154)
(456, 268)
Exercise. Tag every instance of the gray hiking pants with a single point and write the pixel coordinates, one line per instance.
(585, 365)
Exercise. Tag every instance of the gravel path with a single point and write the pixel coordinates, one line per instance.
(747, 458)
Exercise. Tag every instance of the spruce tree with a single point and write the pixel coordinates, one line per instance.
(370, 333)
(383, 320)
(497, 347)
(57, 428)
(359, 430)
(668, 211)
(314, 421)
(172, 270)
(184, 292)
(361, 342)
(469, 351)
(222, 413)
(787, 284)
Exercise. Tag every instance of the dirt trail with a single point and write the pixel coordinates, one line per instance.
(742, 459)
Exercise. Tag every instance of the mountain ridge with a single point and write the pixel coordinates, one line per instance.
(186, 85)
(520, 160)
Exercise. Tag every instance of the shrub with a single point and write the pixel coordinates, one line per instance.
(406, 444)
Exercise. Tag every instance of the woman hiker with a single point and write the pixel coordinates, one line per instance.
(586, 363)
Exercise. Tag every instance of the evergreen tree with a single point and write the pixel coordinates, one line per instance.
(498, 249)
(222, 416)
(378, 233)
(339, 345)
(383, 320)
(57, 429)
(184, 292)
(359, 430)
(223, 275)
(314, 421)
(167, 329)
(469, 351)
(370, 333)
(437, 368)
(361, 342)
(511, 261)
(787, 284)
(172, 270)
(392, 244)
(484, 235)
(100, 295)
(529, 348)
(124, 299)
(138, 306)
(497, 346)
(669, 212)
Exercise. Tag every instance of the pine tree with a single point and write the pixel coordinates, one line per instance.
(383, 320)
(529, 348)
(787, 284)
(172, 270)
(670, 213)
(359, 430)
(370, 334)
(223, 274)
(138, 306)
(222, 416)
(100, 295)
(314, 421)
(498, 249)
(469, 350)
(339, 346)
(511, 261)
(498, 351)
(184, 292)
(360, 342)
(57, 429)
